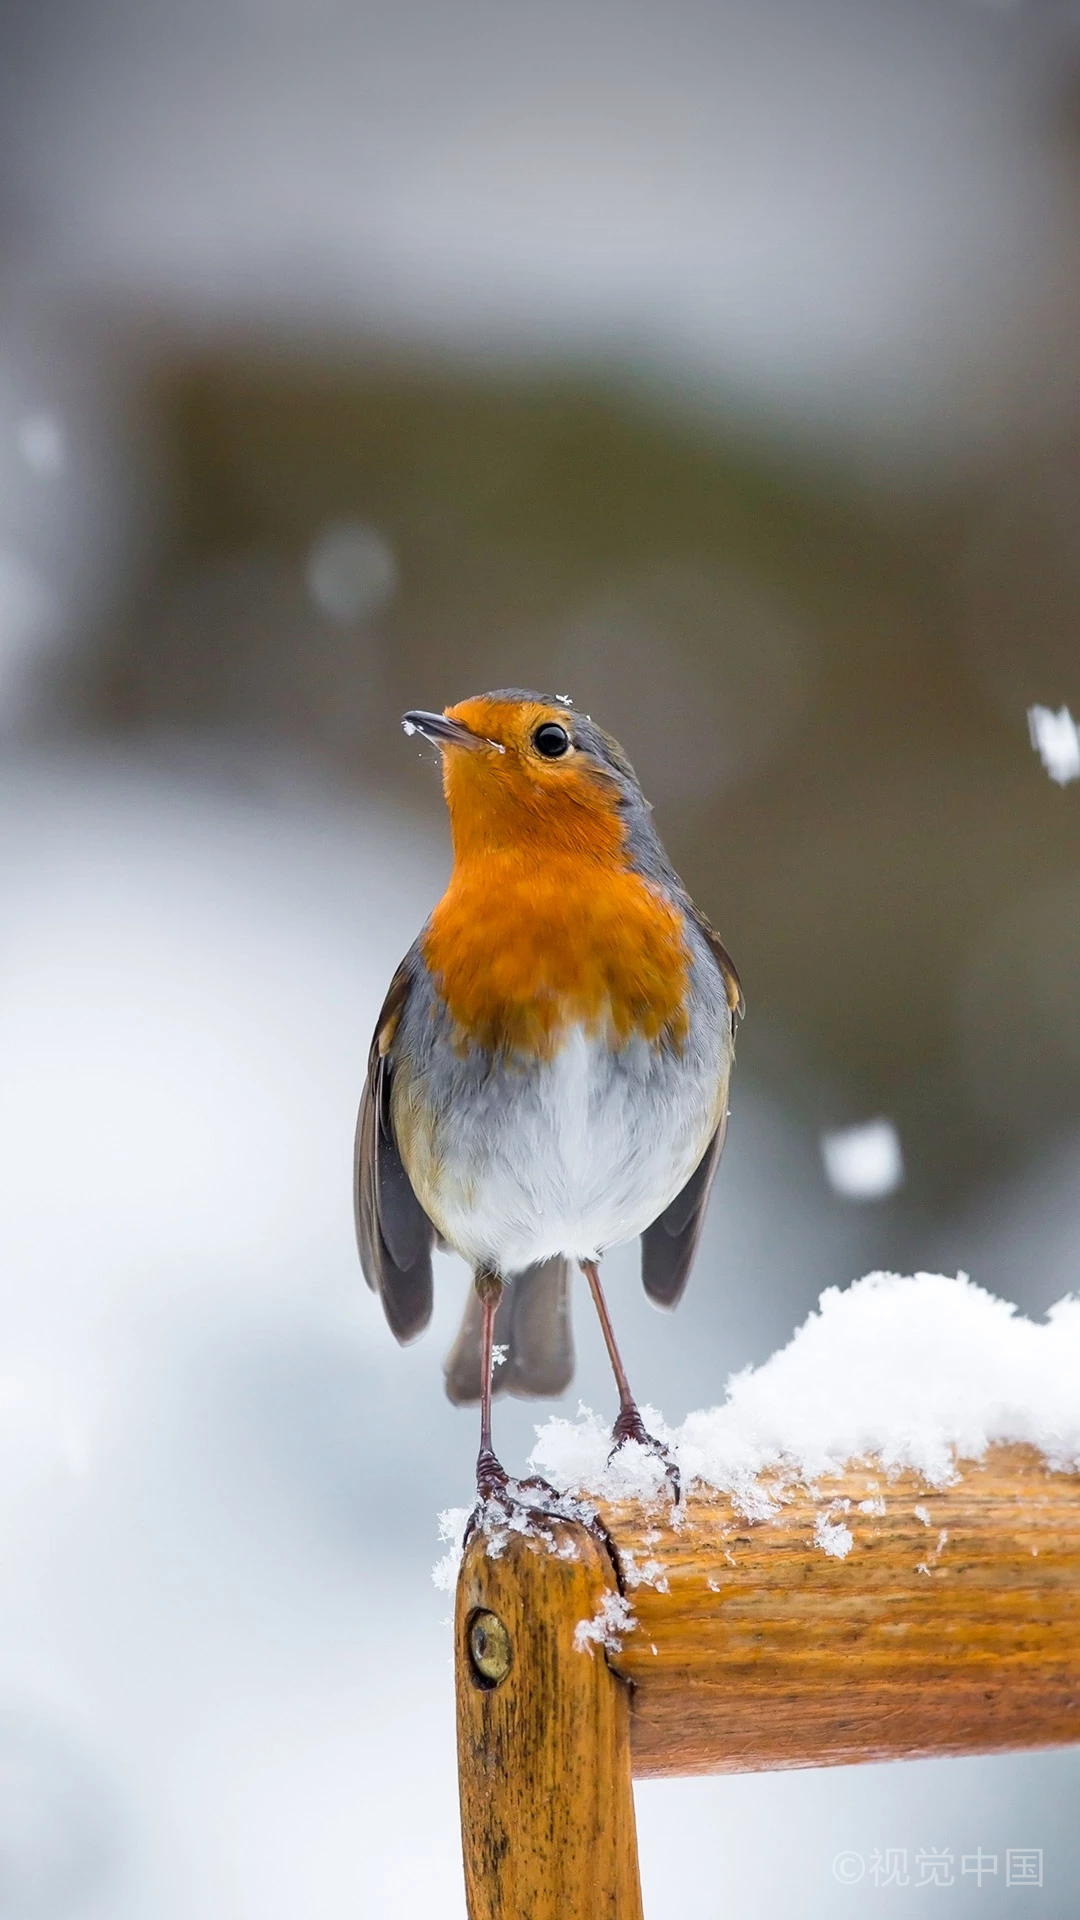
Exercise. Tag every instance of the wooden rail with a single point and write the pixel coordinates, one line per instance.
(951, 1625)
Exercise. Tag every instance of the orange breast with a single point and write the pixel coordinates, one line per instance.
(521, 948)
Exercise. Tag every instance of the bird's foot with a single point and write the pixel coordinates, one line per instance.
(494, 1483)
(498, 1493)
(631, 1426)
(529, 1505)
(492, 1478)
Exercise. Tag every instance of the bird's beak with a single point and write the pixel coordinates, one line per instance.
(441, 729)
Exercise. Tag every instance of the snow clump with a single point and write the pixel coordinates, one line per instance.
(907, 1373)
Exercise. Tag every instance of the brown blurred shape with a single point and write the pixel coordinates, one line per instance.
(873, 811)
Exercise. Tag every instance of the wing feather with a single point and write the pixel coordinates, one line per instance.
(393, 1232)
(728, 970)
(669, 1245)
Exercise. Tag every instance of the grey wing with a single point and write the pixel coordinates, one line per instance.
(669, 1245)
(725, 963)
(393, 1232)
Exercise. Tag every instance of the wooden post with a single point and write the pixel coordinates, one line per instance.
(951, 1626)
(547, 1810)
(948, 1624)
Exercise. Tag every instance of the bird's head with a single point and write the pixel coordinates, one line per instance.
(523, 768)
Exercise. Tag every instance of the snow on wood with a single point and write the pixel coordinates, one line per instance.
(909, 1373)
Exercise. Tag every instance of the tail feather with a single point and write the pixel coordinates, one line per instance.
(533, 1324)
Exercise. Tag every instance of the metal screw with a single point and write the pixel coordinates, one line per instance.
(489, 1647)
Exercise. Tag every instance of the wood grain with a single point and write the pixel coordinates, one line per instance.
(547, 1809)
(764, 1651)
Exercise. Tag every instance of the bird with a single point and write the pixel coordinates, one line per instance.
(549, 1072)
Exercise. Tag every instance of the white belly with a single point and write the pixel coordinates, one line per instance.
(574, 1157)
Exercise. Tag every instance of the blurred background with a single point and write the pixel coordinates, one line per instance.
(720, 366)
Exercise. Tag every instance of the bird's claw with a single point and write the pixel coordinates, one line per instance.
(534, 1498)
(492, 1479)
(630, 1426)
(533, 1501)
(494, 1483)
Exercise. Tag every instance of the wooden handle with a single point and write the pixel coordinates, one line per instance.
(547, 1809)
(542, 1736)
(951, 1626)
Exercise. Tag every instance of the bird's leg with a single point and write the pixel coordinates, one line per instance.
(492, 1480)
(629, 1424)
(491, 1475)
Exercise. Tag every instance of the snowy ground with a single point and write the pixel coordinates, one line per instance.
(224, 1670)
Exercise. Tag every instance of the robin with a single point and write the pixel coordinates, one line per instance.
(549, 1073)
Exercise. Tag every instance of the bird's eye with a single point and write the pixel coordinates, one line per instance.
(551, 740)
